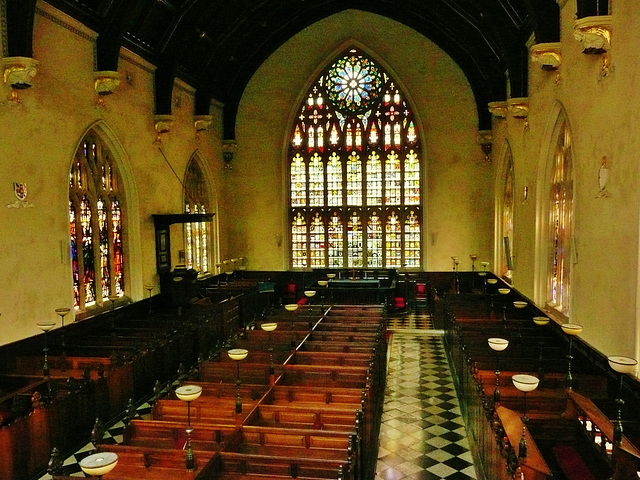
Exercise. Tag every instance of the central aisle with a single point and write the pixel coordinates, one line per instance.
(422, 435)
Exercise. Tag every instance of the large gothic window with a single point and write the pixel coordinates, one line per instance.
(197, 237)
(95, 223)
(560, 220)
(355, 172)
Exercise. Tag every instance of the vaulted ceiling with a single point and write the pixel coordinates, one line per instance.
(217, 45)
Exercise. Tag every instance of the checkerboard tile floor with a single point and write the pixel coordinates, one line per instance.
(422, 435)
(71, 465)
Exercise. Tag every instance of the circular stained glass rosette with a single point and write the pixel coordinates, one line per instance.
(353, 84)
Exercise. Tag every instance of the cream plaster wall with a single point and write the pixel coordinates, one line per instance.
(602, 114)
(39, 139)
(458, 196)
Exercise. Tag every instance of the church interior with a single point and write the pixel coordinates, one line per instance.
(260, 209)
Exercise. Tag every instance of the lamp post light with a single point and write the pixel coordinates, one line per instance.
(323, 295)
(525, 383)
(505, 292)
(45, 327)
(149, 288)
(571, 329)
(292, 307)
(99, 464)
(238, 354)
(622, 365)
(490, 281)
(497, 345)
(270, 327)
(541, 321)
(189, 393)
(63, 313)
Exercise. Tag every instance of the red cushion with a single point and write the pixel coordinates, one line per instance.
(302, 301)
(571, 464)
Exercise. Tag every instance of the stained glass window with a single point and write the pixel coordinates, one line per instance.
(196, 234)
(95, 226)
(560, 220)
(355, 148)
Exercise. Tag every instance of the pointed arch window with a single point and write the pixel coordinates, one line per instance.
(355, 171)
(560, 222)
(196, 234)
(95, 225)
(507, 217)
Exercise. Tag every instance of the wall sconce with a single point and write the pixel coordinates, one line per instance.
(603, 178)
(525, 195)
(485, 139)
(19, 73)
(228, 150)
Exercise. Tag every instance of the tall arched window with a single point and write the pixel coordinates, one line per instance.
(197, 234)
(560, 220)
(507, 217)
(95, 223)
(355, 172)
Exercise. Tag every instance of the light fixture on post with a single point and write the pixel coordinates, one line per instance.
(541, 321)
(45, 327)
(491, 281)
(485, 140)
(99, 464)
(309, 294)
(63, 312)
(189, 393)
(323, 295)
(525, 383)
(504, 292)
(149, 288)
(456, 279)
(497, 345)
(603, 178)
(473, 257)
(292, 307)
(622, 365)
(571, 329)
(238, 354)
(270, 327)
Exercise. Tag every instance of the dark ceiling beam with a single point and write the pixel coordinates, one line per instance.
(545, 15)
(167, 70)
(117, 22)
(19, 16)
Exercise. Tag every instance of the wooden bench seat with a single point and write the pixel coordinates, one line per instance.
(172, 434)
(332, 358)
(236, 465)
(324, 346)
(349, 398)
(226, 372)
(324, 375)
(319, 416)
(156, 463)
(213, 412)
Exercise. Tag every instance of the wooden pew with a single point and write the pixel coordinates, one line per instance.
(318, 416)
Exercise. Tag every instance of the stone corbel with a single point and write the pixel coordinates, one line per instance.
(162, 124)
(518, 107)
(485, 140)
(593, 34)
(547, 55)
(202, 123)
(19, 73)
(498, 109)
(105, 82)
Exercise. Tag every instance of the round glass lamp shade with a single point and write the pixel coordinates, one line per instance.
(269, 327)
(540, 320)
(188, 393)
(331, 275)
(482, 274)
(571, 328)
(504, 291)
(65, 310)
(484, 264)
(524, 382)
(238, 353)
(309, 293)
(622, 364)
(520, 304)
(99, 464)
(323, 283)
(291, 306)
(498, 344)
(46, 326)
(492, 281)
